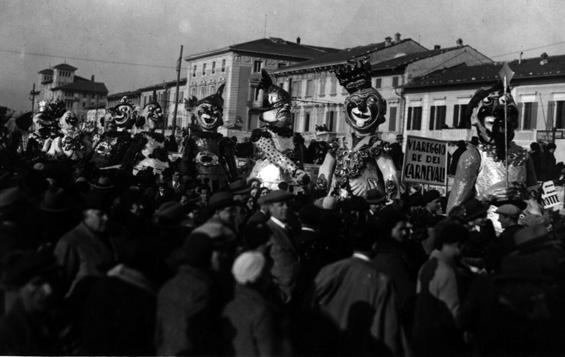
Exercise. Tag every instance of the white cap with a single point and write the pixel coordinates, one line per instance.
(248, 267)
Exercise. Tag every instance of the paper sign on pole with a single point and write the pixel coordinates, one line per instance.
(549, 195)
(425, 161)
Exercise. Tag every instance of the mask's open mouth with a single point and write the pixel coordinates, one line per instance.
(207, 119)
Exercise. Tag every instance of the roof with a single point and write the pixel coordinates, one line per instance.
(340, 57)
(168, 84)
(120, 95)
(403, 61)
(272, 46)
(46, 71)
(65, 67)
(81, 84)
(488, 73)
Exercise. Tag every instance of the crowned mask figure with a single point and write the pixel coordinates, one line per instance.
(366, 165)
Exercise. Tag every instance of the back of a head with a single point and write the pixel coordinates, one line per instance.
(449, 232)
(363, 238)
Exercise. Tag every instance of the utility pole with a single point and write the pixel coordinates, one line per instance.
(179, 62)
(33, 94)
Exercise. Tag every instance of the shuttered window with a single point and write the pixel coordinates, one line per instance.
(392, 119)
(414, 118)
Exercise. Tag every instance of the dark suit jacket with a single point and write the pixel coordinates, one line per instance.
(285, 260)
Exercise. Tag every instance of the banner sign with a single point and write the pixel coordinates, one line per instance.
(549, 195)
(425, 161)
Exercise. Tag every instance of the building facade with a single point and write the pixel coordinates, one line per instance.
(79, 94)
(319, 98)
(435, 102)
(239, 67)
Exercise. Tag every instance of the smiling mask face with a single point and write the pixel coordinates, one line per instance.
(365, 110)
(209, 116)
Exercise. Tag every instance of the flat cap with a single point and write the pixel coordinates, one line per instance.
(509, 210)
(276, 196)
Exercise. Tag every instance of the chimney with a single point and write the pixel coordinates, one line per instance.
(397, 37)
(92, 78)
(520, 58)
(298, 40)
(388, 41)
(437, 47)
(459, 42)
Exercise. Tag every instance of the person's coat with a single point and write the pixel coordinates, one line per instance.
(285, 260)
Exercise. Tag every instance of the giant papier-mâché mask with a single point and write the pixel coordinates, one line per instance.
(364, 106)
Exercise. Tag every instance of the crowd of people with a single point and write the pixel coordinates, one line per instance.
(104, 262)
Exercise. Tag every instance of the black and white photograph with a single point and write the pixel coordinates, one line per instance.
(282, 178)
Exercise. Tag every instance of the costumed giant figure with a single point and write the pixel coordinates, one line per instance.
(46, 128)
(147, 150)
(481, 171)
(274, 141)
(113, 143)
(208, 155)
(367, 165)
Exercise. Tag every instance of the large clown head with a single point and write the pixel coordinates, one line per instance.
(276, 103)
(492, 127)
(153, 115)
(365, 108)
(208, 111)
(122, 115)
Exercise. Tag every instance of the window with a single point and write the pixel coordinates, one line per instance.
(181, 95)
(392, 119)
(437, 117)
(296, 89)
(529, 115)
(458, 115)
(212, 89)
(256, 95)
(202, 92)
(306, 121)
(333, 86)
(281, 65)
(309, 88)
(193, 91)
(223, 65)
(559, 113)
(204, 69)
(414, 121)
(322, 91)
(394, 81)
(378, 82)
(330, 120)
(213, 67)
(194, 71)
(257, 65)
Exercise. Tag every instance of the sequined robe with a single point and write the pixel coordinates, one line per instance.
(479, 173)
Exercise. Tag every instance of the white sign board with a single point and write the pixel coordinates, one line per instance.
(425, 161)
(549, 195)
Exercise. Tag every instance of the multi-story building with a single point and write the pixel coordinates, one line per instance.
(239, 68)
(319, 98)
(79, 94)
(436, 101)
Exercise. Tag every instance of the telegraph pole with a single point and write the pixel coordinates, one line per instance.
(179, 63)
(33, 94)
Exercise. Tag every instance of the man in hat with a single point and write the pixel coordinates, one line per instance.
(27, 329)
(87, 250)
(508, 215)
(256, 320)
(282, 249)
(376, 200)
(432, 202)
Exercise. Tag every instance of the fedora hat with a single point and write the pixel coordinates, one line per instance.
(475, 208)
(375, 196)
(220, 200)
(104, 183)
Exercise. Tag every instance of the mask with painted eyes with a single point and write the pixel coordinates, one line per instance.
(208, 111)
(122, 114)
(276, 103)
(491, 118)
(365, 110)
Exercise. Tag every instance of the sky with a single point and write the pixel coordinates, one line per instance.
(128, 44)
